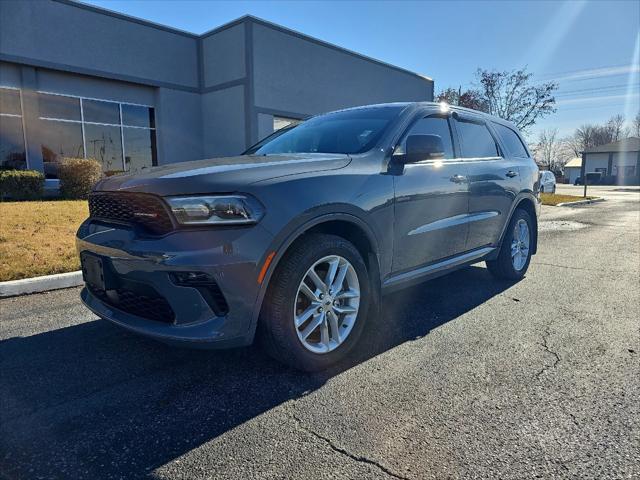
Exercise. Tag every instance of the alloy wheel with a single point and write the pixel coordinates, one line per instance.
(326, 304)
(520, 244)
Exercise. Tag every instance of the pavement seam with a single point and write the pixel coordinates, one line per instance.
(342, 451)
(545, 345)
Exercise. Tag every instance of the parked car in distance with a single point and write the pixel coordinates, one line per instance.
(297, 240)
(547, 182)
(593, 178)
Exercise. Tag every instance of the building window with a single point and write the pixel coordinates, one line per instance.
(12, 144)
(281, 122)
(121, 136)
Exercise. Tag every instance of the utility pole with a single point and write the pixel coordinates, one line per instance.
(584, 173)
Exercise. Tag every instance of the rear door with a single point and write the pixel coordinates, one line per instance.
(494, 180)
(431, 201)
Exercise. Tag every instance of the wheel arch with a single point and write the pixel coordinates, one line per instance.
(345, 225)
(529, 204)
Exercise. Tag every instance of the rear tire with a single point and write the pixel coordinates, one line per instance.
(515, 253)
(281, 329)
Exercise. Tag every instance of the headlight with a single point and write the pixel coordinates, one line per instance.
(216, 210)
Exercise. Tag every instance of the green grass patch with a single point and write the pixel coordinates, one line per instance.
(38, 238)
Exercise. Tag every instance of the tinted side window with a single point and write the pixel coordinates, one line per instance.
(476, 140)
(432, 126)
(511, 140)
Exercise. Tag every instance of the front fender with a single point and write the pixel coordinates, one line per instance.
(297, 228)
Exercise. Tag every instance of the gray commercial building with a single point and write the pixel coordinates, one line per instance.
(79, 81)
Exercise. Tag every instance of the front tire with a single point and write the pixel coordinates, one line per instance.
(515, 253)
(316, 304)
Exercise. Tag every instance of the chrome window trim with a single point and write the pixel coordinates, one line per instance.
(96, 99)
(89, 123)
(84, 140)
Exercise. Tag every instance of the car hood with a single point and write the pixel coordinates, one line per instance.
(220, 175)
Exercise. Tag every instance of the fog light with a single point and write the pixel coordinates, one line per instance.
(191, 278)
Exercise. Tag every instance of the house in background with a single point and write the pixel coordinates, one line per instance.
(80, 81)
(617, 162)
(572, 169)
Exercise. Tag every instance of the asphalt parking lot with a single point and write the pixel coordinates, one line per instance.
(463, 377)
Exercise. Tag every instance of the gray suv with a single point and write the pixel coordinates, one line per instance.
(295, 241)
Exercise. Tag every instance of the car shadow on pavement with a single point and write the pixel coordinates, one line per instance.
(94, 401)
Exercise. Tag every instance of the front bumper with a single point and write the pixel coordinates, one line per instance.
(230, 256)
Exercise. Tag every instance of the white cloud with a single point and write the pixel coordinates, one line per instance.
(599, 73)
(598, 98)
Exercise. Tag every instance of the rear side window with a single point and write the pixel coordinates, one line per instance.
(511, 140)
(431, 126)
(476, 140)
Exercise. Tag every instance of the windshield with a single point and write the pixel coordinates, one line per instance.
(348, 131)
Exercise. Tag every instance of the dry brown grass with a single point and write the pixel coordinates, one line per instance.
(554, 199)
(38, 238)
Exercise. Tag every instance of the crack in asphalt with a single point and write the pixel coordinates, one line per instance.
(342, 451)
(581, 268)
(545, 345)
(573, 418)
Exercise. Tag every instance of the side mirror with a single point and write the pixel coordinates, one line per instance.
(423, 147)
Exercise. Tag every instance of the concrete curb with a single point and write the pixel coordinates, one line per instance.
(13, 288)
(580, 202)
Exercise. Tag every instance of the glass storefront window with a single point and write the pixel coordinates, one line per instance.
(59, 140)
(12, 153)
(101, 112)
(105, 145)
(12, 148)
(137, 116)
(139, 147)
(10, 101)
(59, 106)
(98, 129)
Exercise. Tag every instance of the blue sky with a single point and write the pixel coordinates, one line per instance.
(590, 48)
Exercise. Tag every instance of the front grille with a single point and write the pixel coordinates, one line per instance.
(151, 306)
(146, 211)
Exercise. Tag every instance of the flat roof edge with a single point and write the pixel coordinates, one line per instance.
(303, 36)
(233, 23)
(129, 18)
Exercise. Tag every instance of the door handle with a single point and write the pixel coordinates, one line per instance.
(458, 179)
(511, 174)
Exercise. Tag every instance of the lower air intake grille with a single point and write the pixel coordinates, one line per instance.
(151, 307)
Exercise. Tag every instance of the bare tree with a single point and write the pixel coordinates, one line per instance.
(508, 94)
(468, 98)
(512, 96)
(635, 126)
(616, 129)
(590, 135)
(548, 151)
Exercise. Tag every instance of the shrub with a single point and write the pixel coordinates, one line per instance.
(78, 176)
(21, 184)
